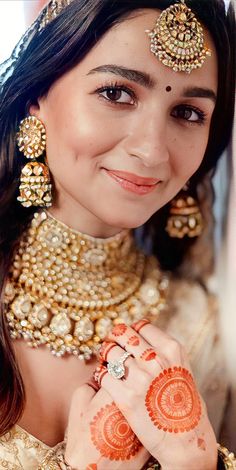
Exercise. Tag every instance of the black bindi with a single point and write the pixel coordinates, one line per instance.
(168, 88)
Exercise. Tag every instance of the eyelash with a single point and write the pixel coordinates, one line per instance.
(114, 86)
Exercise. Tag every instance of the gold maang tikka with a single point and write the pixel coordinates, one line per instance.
(35, 187)
(177, 39)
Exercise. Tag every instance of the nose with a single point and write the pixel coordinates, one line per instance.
(147, 139)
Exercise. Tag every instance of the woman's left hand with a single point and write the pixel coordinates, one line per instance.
(159, 398)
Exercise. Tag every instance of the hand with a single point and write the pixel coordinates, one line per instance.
(98, 435)
(159, 398)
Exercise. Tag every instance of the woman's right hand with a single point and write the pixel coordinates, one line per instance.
(98, 435)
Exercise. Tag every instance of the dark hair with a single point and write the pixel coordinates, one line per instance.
(49, 54)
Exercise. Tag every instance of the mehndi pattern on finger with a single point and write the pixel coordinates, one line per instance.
(133, 341)
(148, 355)
(112, 435)
(119, 329)
(173, 401)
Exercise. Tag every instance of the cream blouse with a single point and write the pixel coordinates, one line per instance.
(192, 320)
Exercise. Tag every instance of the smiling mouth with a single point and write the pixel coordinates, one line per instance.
(133, 183)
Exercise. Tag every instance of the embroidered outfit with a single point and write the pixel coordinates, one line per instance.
(181, 308)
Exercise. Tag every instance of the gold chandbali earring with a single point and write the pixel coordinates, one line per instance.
(185, 217)
(177, 39)
(35, 187)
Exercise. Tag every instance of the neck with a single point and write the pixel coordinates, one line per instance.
(80, 219)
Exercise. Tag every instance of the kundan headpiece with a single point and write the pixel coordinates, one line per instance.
(178, 39)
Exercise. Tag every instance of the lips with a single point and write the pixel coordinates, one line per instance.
(135, 179)
(133, 183)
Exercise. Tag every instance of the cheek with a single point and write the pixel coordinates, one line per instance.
(188, 153)
(80, 134)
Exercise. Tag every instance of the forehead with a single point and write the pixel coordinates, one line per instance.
(127, 44)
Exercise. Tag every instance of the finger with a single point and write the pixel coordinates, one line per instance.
(99, 373)
(131, 370)
(168, 347)
(92, 383)
(81, 399)
(148, 358)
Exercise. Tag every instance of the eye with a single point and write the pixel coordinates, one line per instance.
(117, 94)
(189, 113)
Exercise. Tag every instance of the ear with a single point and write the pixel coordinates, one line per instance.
(34, 110)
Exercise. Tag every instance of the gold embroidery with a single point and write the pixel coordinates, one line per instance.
(21, 451)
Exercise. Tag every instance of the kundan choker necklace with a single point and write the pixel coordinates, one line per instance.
(66, 290)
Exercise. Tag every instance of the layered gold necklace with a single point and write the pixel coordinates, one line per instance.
(66, 290)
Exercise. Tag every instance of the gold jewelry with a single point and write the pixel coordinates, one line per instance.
(67, 290)
(116, 368)
(177, 39)
(35, 187)
(55, 459)
(185, 218)
(226, 457)
(51, 11)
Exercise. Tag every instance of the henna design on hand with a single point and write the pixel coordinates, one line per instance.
(119, 329)
(112, 435)
(201, 444)
(148, 355)
(173, 401)
(104, 350)
(139, 324)
(133, 341)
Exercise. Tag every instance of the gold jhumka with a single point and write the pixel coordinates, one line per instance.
(178, 40)
(66, 290)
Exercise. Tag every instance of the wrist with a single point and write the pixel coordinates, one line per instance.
(226, 461)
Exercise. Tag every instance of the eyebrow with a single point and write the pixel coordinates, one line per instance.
(144, 79)
(197, 92)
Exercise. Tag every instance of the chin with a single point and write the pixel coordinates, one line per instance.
(127, 221)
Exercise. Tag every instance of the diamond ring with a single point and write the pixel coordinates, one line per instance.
(116, 368)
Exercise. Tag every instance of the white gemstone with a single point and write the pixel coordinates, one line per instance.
(103, 326)
(116, 369)
(53, 238)
(84, 329)
(60, 324)
(22, 306)
(149, 293)
(95, 256)
(39, 316)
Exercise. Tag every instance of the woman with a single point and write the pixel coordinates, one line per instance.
(127, 98)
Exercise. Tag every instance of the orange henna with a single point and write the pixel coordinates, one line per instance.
(92, 466)
(201, 444)
(133, 341)
(99, 373)
(104, 350)
(139, 324)
(148, 355)
(112, 434)
(173, 402)
(119, 329)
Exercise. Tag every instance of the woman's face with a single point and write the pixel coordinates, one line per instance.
(121, 116)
